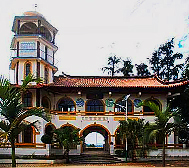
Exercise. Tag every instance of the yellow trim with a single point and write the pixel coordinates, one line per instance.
(67, 118)
(123, 118)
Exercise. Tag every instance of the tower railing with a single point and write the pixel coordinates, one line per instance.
(32, 53)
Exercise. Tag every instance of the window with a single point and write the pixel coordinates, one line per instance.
(148, 109)
(123, 104)
(28, 69)
(28, 135)
(43, 31)
(46, 75)
(45, 102)
(27, 99)
(46, 53)
(38, 69)
(66, 104)
(28, 28)
(95, 105)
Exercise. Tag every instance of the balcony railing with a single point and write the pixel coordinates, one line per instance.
(23, 145)
(33, 53)
(158, 146)
(100, 113)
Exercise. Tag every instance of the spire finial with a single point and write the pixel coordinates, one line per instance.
(35, 7)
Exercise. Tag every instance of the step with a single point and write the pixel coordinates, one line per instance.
(97, 162)
(95, 159)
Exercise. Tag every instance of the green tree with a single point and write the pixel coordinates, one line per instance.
(142, 69)
(133, 130)
(112, 67)
(179, 102)
(185, 73)
(127, 68)
(155, 61)
(165, 122)
(163, 61)
(67, 137)
(13, 112)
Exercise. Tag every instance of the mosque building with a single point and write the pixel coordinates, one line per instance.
(90, 103)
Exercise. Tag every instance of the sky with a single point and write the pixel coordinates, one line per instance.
(94, 138)
(89, 31)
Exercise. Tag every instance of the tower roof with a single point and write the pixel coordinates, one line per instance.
(33, 13)
(34, 16)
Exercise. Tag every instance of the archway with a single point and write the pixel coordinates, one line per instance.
(99, 134)
(28, 28)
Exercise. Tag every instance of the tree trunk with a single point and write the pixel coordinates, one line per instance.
(163, 157)
(13, 153)
(113, 70)
(66, 153)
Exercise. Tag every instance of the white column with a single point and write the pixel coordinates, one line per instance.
(48, 149)
(78, 149)
(171, 139)
(112, 152)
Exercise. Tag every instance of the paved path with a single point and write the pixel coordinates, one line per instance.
(26, 161)
(99, 167)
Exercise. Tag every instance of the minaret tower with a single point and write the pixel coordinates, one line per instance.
(33, 47)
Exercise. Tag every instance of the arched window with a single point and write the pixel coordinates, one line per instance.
(123, 104)
(95, 105)
(45, 102)
(46, 75)
(45, 33)
(27, 68)
(27, 99)
(28, 28)
(148, 109)
(28, 135)
(66, 104)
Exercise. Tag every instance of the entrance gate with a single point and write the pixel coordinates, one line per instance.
(99, 129)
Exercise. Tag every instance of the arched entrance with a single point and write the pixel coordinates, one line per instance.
(100, 133)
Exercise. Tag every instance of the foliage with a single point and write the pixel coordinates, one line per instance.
(127, 68)
(142, 69)
(13, 113)
(155, 61)
(47, 139)
(163, 61)
(112, 67)
(179, 103)
(165, 122)
(133, 130)
(185, 73)
(67, 137)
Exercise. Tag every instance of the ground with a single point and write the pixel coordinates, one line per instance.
(180, 163)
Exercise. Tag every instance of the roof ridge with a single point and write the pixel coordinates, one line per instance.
(109, 77)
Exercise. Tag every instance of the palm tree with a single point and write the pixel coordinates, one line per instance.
(13, 113)
(127, 68)
(162, 126)
(67, 137)
(133, 130)
(112, 65)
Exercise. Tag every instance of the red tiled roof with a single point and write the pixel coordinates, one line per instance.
(101, 81)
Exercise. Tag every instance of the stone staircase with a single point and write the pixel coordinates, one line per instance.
(95, 159)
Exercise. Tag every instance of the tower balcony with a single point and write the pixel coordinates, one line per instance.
(28, 53)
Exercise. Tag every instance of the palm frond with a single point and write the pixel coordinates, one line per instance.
(4, 126)
(153, 106)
